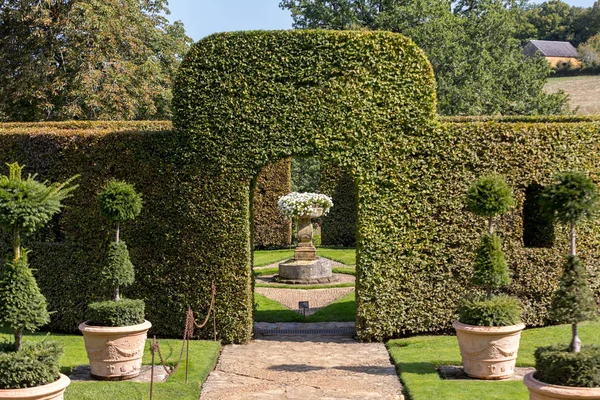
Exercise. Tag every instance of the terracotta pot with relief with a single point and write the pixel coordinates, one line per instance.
(488, 352)
(544, 391)
(51, 391)
(115, 353)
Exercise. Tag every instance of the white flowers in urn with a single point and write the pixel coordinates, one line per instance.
(297, 204)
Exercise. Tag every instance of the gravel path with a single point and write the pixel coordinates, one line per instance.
(317, 298)
(303, 368)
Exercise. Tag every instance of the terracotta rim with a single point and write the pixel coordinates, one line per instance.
(102, 330)
(567, 392)
(55, 387)
(487, 330)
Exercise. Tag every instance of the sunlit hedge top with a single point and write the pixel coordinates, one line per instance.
(250, 98)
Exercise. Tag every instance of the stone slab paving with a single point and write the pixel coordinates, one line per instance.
(303, 368)
(304, 328)
(83, 373)
(317, 298)
(457, 372)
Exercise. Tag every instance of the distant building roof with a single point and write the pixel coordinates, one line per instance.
(549, 48)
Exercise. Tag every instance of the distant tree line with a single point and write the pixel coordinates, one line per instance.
(474, 46)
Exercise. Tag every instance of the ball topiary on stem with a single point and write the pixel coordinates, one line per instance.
(119, 202)
(25, 206)
(572, 199)
(490, 197)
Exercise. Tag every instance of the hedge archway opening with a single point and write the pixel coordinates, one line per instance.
(244, 100)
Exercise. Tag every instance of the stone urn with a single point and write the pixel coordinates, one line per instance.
(51, 391)
(305, 250)
(488, 352)
(115, 353)
(543, 391)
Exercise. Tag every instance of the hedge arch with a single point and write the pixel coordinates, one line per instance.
(247, 99)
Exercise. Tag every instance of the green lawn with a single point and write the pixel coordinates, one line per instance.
(417, 358)
(275, 270)
(203, 355)
(267, 257)
(267, 310)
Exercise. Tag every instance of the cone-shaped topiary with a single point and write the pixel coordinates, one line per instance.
(119, 202)
(572, 199)
(25, 205)
(22, 304)
(491, 271)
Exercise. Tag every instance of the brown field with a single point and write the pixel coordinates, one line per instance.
(584, 92)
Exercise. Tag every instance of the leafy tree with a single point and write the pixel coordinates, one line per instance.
(87, 59)
(572, 199)
(590, 51)
(306, 174)
(119, 202)
(473, 48)
(25, 205)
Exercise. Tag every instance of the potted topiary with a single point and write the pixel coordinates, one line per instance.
(27, 370)
(489, 325)
(116, 331)
(569, 372)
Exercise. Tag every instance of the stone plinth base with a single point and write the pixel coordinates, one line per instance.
(297, 271)
(305, 253)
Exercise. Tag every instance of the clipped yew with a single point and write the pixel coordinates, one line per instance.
(489, 321)
(569, 372)
(571, 200)
(25, 206)
(116, 331)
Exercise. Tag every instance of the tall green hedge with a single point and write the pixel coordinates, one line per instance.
(271, 229)
(339, 226)
(362, 101)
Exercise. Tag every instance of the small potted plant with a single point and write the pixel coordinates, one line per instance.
(27, 370)
(116, 331)
(573, 371)
(489, 325)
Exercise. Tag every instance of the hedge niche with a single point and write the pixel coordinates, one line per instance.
(248, 99)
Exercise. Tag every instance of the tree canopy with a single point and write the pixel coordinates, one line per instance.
(473, 46)
(87, 59)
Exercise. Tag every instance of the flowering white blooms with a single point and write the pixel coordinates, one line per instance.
(295, 204)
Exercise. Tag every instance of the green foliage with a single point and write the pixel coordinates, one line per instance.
(22, 304)
(558, 366)
(26, 204)
(124, 312)
(339, 226)
(119, 201)
(489, 196)
(473, 47)
(571, 199)
(119, 269)
(306, 174)
(271, 229)
(494, 311)
(573, 302)
(490, 269)
(35, 364)
(95, 59)
(590, 52)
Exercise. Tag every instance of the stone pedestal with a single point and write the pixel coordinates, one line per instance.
(303, 272)
(305, 251)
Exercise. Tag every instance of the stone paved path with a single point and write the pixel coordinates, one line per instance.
(317, 298)
(303, 368)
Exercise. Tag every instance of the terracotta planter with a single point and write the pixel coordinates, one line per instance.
(115, 353)
(543, 391)
(51, 391)
(488, 352)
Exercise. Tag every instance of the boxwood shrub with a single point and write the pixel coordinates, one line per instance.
(495, 311)
(557, 365)
(35, 364)
(124, 312)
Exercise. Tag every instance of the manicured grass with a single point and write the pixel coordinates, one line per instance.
(267, 257)
(203, 355)
(275, 270)
(345, 256)
(416, 360)
(267, 310)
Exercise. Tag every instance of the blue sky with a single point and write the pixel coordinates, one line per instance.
(203, 17)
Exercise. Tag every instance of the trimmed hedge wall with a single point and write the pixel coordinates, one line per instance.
(271, 229)
(247, 99)
(339, 226)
